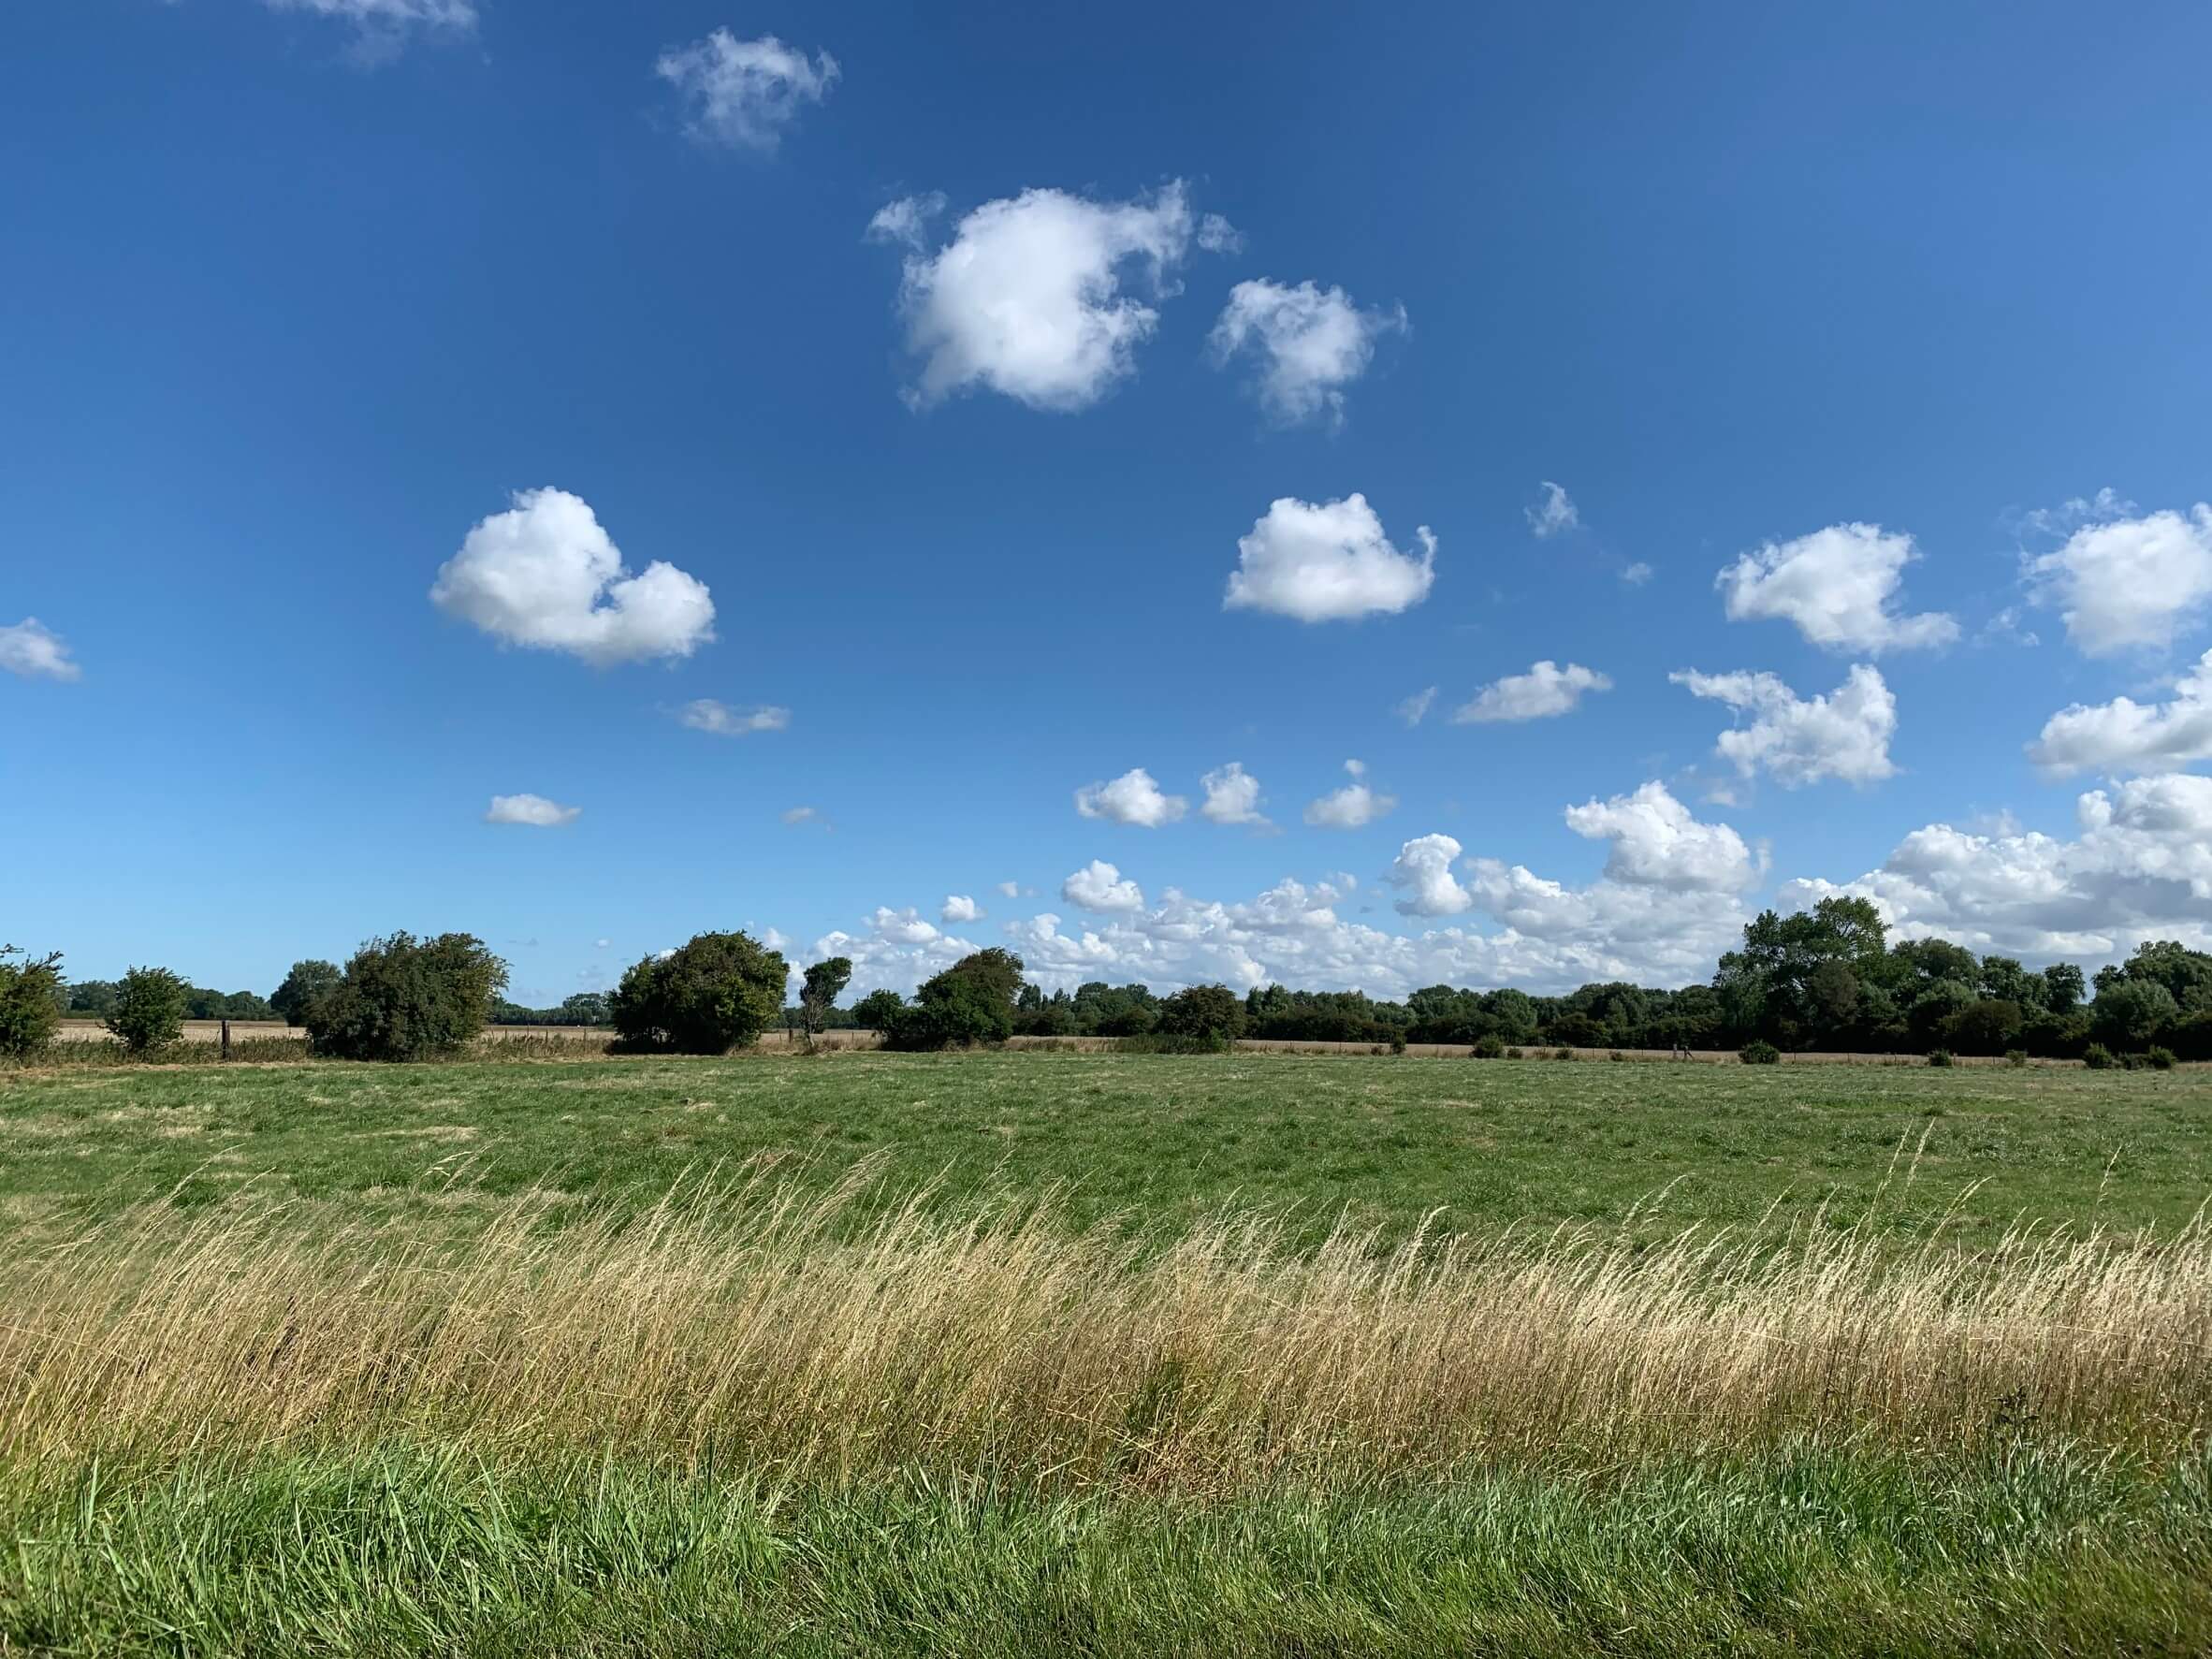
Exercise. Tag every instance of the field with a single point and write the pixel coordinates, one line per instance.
(1035, 1352)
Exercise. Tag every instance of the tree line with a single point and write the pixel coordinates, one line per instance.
(1824, 978)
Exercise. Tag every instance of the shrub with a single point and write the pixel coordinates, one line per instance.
(1616, 1056)
(408, 999)
(1563, 1053)
(2159, 1058)
(2015, 1057)
(2097, 1057)
(1213, 1013)
(1489, 1046)
(1939, 1056)
(877, 1010)
(971, 1002)
(149, 1008)
(1760, 1052)
(717, 992)
(30, 1000)
(306, 981)
(1514, 1054)
(1161, 1042)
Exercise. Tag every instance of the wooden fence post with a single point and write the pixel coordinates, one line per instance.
(226, 1039)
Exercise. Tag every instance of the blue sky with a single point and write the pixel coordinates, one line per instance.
(301, 297)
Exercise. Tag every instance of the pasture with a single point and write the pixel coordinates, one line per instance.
(1022, 1352)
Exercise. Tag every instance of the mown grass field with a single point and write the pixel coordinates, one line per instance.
(1027, 1353)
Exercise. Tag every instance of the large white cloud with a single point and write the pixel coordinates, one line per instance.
(1232, 795)
(1657, 843)
(2126, 581)
(1546, 690)
(1028, 297)
(1353, 805)
(1132, 798)
(1423, 869)
(1327, 563)
(1099, 886)
(545, 576)
(959, 909)
(534, 810)
(35, 651)
(1842, 734)
(2124, 735)
(2141, 868)
(1838, 585)
(745, 92)
(897, 951)
(1311, 342)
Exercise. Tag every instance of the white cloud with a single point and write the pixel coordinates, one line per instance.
(382, 28)
(1132, 798)
(1232, 795)
(1843, 734)
(1327, 563)
(35, 651)
(1099, 886)
(744, 92)
(1555, 515)
(959, 908)
(798, 815)
(1010, 889)
(1636, 575)
(707, 715)
(1424, 865)
(1657, 843)
(2127, 582)
(1838, 585)
(2139, 868)
(543, 574)
(2124, 735)
(1351, 807)
(907, 220)
(1311, 342)
(1545, 691)
(898, 949)
(534, 810)
(1027, 299)
(1415, 709)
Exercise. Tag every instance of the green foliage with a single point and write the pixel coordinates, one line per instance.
(824, 982)
(29, 1013)
(1987, 1027)
(2158, 1059)
(1101, 1009)
(2015, 1058)
(2097, 1057)
(1760, 1052)
(1563, 1053)
(1489, 1046)
(150, 1009)
(1211, 1014)
(968, 1003)
(304, 983)
(717, 992)
(406, 999)
(1940, 1057)
(2128, 1012)
(877, 1010)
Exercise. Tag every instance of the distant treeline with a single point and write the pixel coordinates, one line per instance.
(95, 999)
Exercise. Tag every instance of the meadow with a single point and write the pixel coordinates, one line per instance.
(1026, 1352)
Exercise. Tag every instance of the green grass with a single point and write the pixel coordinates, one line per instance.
(1164, 1138)
(409, 1552)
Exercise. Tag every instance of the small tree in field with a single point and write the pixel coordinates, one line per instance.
(971, 1002)
(877, 1010)
(717, 993)
(824, 983)
(408, 999)
(307, 980)
(30, 1003)
(149, 1006)
(1210, 1014)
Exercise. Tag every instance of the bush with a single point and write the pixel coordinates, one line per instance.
(1213, 1013)
(1514, 1054)
(1162, 1042)
(149, 1008)
(1616, 1056)
(2097, 1057)
(2159, 1058)
(302, 985)
(1489, 1046)
(1562, 1053)
(718, 991)
(1939, 1056)
(30, 1000)
(1760, 1052)
(877, 1010)
(971, 1002)
(2015, 1057)
(408, 999)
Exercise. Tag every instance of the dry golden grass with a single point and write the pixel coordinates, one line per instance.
(740, 1317)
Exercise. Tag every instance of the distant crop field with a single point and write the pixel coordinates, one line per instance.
(1248, 1353)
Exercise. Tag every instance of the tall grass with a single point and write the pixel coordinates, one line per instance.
(748, 1319)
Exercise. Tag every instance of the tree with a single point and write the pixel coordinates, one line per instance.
(1211, 1014)
(2186, 974)
(1989, 1026)
(2063, 987)
(304, 983)
(408, 999)
(93, 997)
(2128, 1012)
(877, 1010)
(150, 1009)
(29, 1010)
(973, 1001)
(718, 991)
(586, 1008)
(825, 981)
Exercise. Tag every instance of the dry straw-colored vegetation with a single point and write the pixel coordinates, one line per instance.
(743, 1318)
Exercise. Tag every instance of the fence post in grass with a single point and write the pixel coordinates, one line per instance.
(226, 1039)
